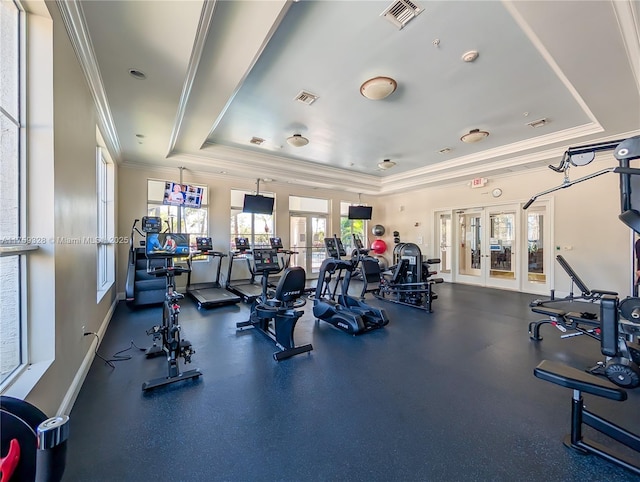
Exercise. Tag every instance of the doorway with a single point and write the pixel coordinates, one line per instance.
(307, 239)
(487, 246)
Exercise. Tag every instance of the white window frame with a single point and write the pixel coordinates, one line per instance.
(106, 241)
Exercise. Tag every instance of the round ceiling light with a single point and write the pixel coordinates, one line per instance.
(386, 164)
(297, 140)
(378, 88)
(470, 56)
(474, 135)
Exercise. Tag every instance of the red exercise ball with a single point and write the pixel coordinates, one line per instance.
(379, 246)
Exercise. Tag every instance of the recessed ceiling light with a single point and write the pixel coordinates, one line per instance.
(137, 74)
(141, 136)
(446, 150)
(297, 140)
(378, 88)
(474, 135)
(256, 140)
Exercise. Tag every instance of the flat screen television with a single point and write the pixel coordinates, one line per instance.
(176, 194)
(257, 204)
(360, 212)
(167, 244)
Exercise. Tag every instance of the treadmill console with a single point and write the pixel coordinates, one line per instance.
(334, 247)
(265, 260)
(151, 224)
(276, 243)
(242, 244)
(204, 245)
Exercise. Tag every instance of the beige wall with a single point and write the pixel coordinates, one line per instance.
(132, 196)
(585, 217)
(71, 297)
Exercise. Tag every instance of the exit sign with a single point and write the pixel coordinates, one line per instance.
(478, 182)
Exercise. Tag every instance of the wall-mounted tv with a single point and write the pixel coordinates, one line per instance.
(257, 204)
(176, 194)
(360, 212)
(167, 244)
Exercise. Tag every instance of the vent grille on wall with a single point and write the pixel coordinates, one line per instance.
(306, 97)
(401, 12)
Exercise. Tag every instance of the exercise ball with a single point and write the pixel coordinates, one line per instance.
(377, 230)
(379, 246)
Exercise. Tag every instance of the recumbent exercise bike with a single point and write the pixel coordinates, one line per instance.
(275, 314)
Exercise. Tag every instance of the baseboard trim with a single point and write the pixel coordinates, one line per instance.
(74, 389)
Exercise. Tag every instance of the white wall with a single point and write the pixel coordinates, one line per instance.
(585, 218)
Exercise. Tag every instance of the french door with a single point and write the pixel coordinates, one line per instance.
(307, 239)
(487, 243)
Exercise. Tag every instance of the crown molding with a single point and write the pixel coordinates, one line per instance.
(206, 17)
(451, 176)
(628, 18)
(75, 24)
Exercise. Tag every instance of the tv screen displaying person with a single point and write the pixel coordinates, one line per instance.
(170, 244)
(176, 196)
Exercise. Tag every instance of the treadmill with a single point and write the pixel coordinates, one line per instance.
(247, 289)
(212, 294)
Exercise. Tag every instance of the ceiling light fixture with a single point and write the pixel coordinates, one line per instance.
(474, 135)
(297, 140)
(470, 56)
(378, 88)
(386, 164)
(137, 74)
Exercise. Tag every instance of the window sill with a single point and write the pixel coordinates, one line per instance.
(23, 382)
(103, 291)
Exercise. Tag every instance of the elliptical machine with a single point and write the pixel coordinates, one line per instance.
(275, 315)
(339, 308)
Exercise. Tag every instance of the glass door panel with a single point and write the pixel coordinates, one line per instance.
(538, 252)
(307, 238)
(503, 246)
(444, 240)
(469, 227)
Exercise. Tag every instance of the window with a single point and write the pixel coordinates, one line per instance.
(13, 245)
(257, 227)
(349, 227)
(178, 219)
(106, 221)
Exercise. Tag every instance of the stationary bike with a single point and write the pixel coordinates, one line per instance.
(275, 314)
(173, 346)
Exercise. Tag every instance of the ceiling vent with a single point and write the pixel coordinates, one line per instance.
(538, 123)
(401, 12)
(306, 97)
(257, 141)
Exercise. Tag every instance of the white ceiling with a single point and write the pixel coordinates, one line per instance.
(221, 72)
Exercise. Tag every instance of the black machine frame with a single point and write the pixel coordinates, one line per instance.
(275, 316)
(210, 294)
(169, 332)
